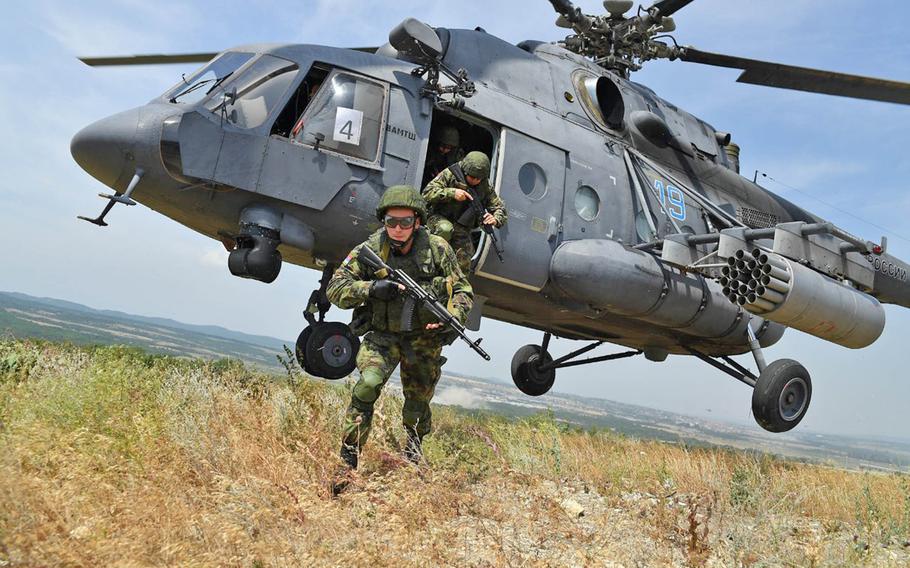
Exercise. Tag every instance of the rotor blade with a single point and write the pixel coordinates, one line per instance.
(156, 59)
(668, 7)
(159, 59)
(769, 74)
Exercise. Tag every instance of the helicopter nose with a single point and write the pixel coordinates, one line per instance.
(104, 148)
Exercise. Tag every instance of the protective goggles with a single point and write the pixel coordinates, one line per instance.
(403, 222)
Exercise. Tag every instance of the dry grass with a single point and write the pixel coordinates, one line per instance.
(113, 457)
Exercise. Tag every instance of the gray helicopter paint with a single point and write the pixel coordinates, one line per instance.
(603, 176)
(200, 145)
(531, 178)
(240, 159)
(518, 90)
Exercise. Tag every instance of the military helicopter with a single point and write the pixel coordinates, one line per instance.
(628, 220)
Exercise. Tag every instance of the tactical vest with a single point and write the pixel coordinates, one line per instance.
(420, 264)
(463, 213)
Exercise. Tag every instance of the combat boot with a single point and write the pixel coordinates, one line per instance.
(342, 478)
(412, 450)
(349, 456)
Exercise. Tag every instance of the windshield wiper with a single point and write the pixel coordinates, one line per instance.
(196, 86)
(218, 82)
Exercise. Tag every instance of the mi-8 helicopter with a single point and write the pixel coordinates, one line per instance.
(628, 220)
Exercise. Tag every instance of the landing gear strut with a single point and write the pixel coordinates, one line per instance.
(534, 370)
(326, 349)
(781, 391)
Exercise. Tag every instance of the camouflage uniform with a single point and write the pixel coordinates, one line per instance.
(445, 211)
(431, 262)
(436, 160)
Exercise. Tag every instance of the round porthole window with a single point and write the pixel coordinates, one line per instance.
(642, 227)
(533, 181)
(587, 203)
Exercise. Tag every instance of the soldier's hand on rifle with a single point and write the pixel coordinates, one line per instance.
(434, 325)
(461, 195)
(489, 219)
(385, 290)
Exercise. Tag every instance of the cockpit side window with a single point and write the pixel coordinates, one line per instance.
(248, 100)
(346, 116)
(204, 81)
(290, 121)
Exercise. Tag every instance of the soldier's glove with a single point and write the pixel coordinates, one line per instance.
(385, 290)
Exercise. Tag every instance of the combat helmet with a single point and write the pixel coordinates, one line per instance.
(476, 164)
(449, 136)
(402, 196)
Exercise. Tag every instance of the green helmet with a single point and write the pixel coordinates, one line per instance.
(402, 196)
(476, 164)
(449, 136)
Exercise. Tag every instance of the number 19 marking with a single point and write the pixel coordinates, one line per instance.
(673, 200)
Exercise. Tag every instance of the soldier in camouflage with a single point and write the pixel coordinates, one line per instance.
(416, 342)
(451, 214)
(447, 151)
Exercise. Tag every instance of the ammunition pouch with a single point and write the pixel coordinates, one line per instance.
(468, 217)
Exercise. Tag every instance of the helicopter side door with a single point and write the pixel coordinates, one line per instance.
(530, 178)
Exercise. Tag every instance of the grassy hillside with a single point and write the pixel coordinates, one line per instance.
(113, 456)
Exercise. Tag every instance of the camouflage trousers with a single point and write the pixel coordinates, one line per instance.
(421, 360)
(457, 236)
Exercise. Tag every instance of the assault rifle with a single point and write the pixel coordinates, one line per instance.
(414, 291)
(475, 210)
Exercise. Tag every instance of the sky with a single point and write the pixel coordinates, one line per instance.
(843, 159)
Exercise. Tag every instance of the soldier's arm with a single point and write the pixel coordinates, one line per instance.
(462, 293)
(349, 286)
(441, 189)
(496, 206)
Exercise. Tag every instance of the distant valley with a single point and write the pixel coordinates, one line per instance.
(23, 316)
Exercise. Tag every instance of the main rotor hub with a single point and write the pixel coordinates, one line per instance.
(613, 41)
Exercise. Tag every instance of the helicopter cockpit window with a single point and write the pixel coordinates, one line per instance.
(248, 100)
(208, 78)
(346, 116)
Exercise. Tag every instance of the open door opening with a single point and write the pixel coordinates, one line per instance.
(441, 153)
(471, 135)
(293, 111)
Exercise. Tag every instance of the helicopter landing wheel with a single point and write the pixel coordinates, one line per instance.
(526, 371)
(328, 350)
(781, 396)
(300, 350)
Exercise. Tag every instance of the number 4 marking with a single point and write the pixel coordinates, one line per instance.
(347, 129)
(348, 126)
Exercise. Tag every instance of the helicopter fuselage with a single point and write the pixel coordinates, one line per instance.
(579, 154)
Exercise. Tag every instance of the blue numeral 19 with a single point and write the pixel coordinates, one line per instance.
(673, 200)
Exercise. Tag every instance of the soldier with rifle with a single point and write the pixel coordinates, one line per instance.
(446, 152)
(410, 298)
(460, 199)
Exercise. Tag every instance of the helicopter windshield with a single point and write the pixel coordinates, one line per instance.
(201, 83)
(253, 95)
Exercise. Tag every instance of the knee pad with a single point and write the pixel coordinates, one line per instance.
(368, 388)
(444, 229)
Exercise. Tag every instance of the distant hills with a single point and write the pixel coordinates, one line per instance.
(58, 320)
(24, 316)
